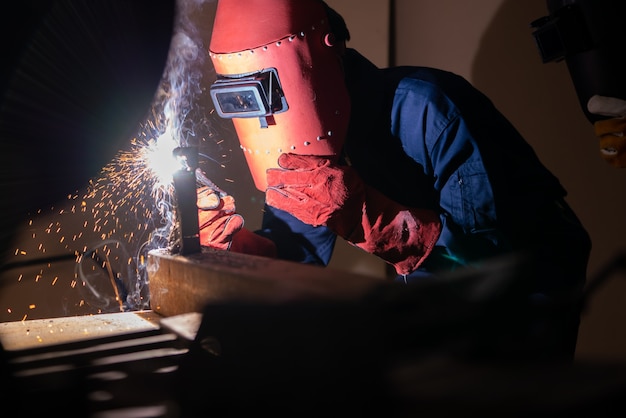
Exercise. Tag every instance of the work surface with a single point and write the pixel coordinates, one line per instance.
(238, 336)
(21, 335)
(142, 365)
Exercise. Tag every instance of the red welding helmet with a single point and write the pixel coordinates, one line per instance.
(280, 78)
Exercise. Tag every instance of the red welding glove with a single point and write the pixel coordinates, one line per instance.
(319, 192)
(611, 132)
(222, 228)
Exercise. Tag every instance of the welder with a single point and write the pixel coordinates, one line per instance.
(411, 164)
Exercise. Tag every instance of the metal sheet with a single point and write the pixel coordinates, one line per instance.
(19, 335)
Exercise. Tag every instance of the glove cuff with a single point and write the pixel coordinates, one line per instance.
(247, 242)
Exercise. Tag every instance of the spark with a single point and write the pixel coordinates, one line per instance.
(126, 210)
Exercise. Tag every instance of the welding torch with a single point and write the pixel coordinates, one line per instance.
(185, 184)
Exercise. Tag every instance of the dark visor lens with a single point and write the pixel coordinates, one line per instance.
(239, 101)
(254, 95)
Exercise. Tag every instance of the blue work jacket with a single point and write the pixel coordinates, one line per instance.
(426, 138)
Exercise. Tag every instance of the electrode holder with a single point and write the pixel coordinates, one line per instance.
(186, 200)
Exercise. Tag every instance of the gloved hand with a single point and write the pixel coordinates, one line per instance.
(217, 218)
(610, 131)
(319, 192)
(222, 228)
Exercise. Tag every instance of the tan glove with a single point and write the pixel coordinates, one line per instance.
(221, 227)
(217, 219)
(611, 132)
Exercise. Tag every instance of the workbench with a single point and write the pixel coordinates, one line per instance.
(244, 337)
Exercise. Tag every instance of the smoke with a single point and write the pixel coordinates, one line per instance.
(182, 78)
(176, 120)
(88, 253)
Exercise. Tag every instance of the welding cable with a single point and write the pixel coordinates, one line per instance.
(42, 260)
(75, 256)
(117, 284)
(205, 181)
(78, 258)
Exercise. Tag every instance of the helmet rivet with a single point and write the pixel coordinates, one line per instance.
(329, 39)
(306, 143)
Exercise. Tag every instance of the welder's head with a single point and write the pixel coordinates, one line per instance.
(280, 78)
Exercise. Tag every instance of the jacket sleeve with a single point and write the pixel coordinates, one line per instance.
(295, 240)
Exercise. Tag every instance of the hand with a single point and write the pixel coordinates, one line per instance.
(314, 191)
(222, 228)
(217, 218)
(611, 131)
(319, 192)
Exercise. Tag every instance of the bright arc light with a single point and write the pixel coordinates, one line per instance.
(159, 159)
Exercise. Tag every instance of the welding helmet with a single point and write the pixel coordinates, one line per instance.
(589, 35)
(280, 79)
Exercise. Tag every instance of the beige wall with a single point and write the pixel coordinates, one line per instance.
(368, 22)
